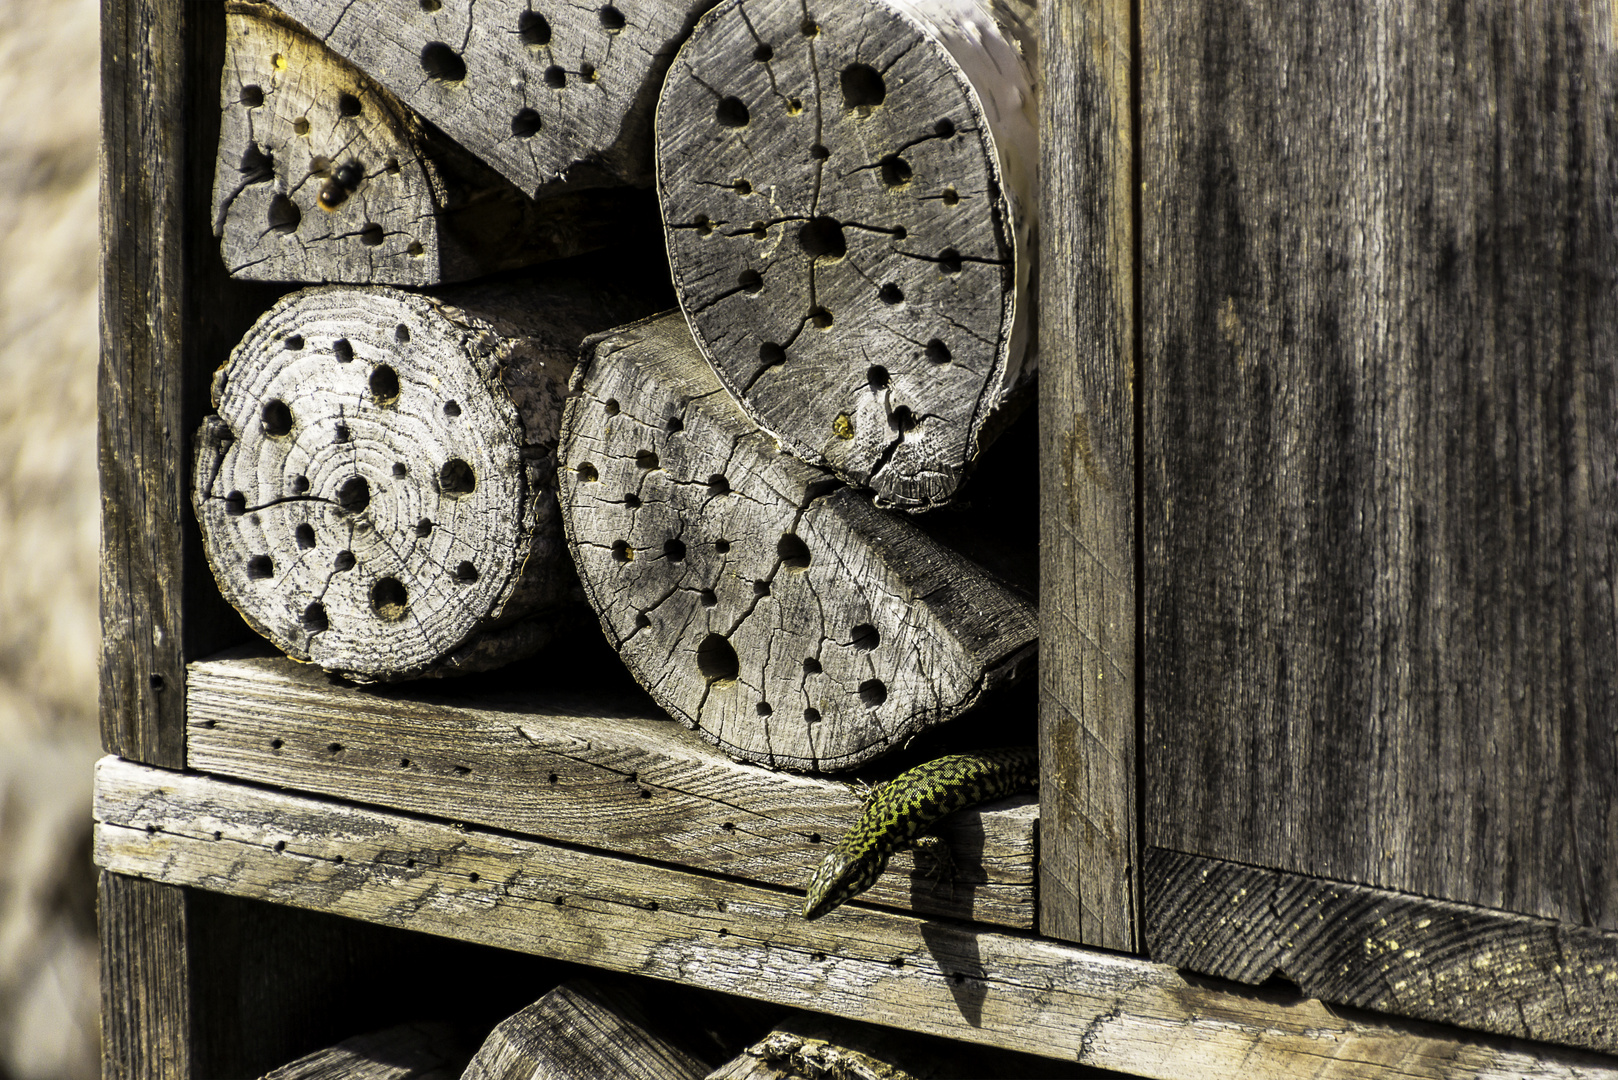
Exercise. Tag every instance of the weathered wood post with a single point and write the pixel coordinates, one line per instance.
(849, 205)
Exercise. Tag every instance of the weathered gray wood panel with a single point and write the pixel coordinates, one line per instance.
(145, 1029)
(603, 772)
(1381, 444)
(1089, 881)
(1384, 950)
(933, 977)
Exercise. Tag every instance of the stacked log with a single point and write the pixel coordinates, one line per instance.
(847, 194)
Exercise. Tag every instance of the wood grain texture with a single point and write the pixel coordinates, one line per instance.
(167, 313)
(407, 1052)
(1089, 879)
(377, 487)
(935, 977)
(603, 772)
(145, 1028)
(1381, 278)
(759, 601)
(578, 1031)
(554, 96)
(848, 190)
(1388, 951)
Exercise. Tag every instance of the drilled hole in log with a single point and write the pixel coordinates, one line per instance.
(371, 235)
(891, 294)
(339, 433)
(389, 600)
(252, 96)
(354, 495)
(949, 261)
(793, 552)
(587, 473)
(276, 418)
(763, 53)
(771, 353)
(902, 419)
(821, 318)
(314, 618)
(384, 384)
(761, 588)
(764, 708)
(442, 63)
(750, 280)
(348, 105)
(896, 171)
(621, 551)
(808, 28)
(256, 166)
(415, 249)
(400, 470)
(945, 128)
(456, 478)
(862, 87)
(811, 716)
(424, 528)
(811, 666)
(343, 560)
(466, 573)
(708, 597)
(526, 124)
(722, 546)
(343, 351)
(674, 426)
(300, 484)
(610, 406)
(950, 196)
(235, 504)
(293, 342)
(674, 550)
(822, 236)
(430, 6)
(283, 215)
(533, 29)
(717, 660)
(743, 188)
(304, 536)
(731, 112)
(612, 20)
(703, 224)
(864, 637)
(452, 409)
(642, 620)
(646, 459)
(555, 77)
(401, 334)
(873, 692)
(631, 500)
(300, 126)
(877, 377)
(718, 485)
(818, 152)
(260, 567)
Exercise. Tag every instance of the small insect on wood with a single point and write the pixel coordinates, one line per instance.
(376, 491)
(847, 192)
(758, 599)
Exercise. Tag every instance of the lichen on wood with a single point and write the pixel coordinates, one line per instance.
(847, 190)
(757, 598)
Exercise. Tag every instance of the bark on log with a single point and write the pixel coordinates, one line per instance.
(408, 1052)
(376, 491)
(323, 175)
(759, 600)
(551, 95)
(581, 1031)
(848, 192)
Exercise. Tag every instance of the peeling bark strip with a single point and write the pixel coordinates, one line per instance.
(848, 194)
(759, 601)
(548, 93)
(324, 176)
(376, 490)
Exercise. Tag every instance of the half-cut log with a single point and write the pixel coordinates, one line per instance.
(549, 94)
(322, 175)
(848, 197)
(757, 598)
(376, 491)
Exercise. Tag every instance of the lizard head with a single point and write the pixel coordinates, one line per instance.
(841, 876)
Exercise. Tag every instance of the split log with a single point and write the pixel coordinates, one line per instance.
(581, 1030)
(408, 1052)
(376, 491)
(322, 175)
(551, 95)
(848, 194)
(760, 601)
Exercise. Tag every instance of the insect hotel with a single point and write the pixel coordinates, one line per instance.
(790, 537)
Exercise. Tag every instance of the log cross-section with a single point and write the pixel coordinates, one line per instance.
(760, 601)
(847, 192)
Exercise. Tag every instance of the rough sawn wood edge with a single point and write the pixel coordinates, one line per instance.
(605, 773)
(936, 977)
(1377, 949)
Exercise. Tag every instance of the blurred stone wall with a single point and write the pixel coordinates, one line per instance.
(48, 537)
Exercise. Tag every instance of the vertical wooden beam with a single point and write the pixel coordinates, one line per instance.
(1088, 685)
(145, 996)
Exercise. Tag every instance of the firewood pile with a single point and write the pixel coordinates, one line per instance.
(695, 320)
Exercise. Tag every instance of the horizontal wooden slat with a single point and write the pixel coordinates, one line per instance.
(1378, 949)
(936, 977)
(621, 778)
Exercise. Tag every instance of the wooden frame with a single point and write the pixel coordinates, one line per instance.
(170, 703)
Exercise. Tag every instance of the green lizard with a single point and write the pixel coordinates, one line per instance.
(901, 810)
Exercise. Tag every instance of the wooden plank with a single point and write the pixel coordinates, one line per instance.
(1381, 428)
(1088, 682)
(936, 977)
(1383, 950)
(610, 773)
(145, 1029)
(168, 316)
